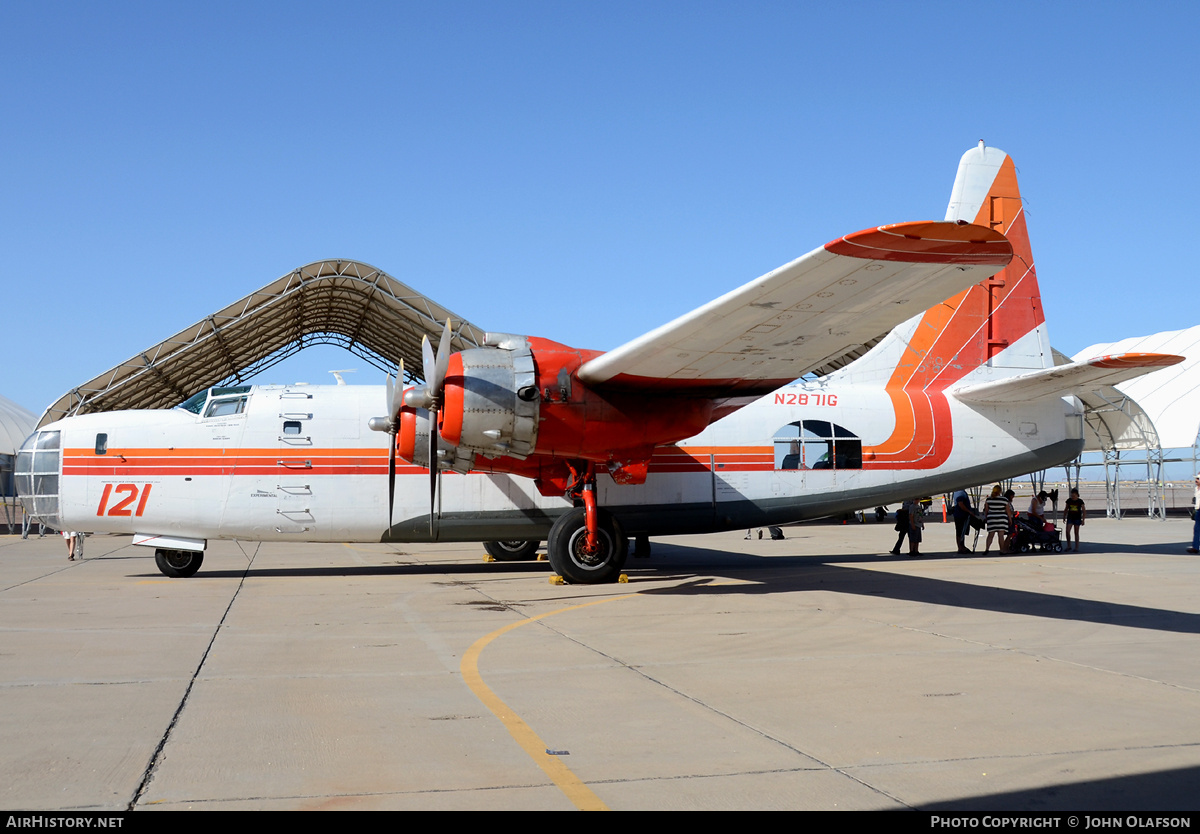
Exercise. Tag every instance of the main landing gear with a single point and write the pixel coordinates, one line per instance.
(515, 551)
(586, 545)
(178, 563)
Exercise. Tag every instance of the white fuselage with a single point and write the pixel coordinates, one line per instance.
(299, 463)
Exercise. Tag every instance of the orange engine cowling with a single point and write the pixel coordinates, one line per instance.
(412, 443)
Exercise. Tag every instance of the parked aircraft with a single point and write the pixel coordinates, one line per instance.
(697, 426)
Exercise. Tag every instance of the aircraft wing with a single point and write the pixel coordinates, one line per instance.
(819, 307)
(1076, 377)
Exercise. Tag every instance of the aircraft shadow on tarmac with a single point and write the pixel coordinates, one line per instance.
(694, 568)
(1163, 791)
(781, 574)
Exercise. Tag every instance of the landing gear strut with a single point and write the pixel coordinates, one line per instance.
(586, 545)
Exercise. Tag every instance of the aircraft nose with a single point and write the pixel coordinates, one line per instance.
(36, 476)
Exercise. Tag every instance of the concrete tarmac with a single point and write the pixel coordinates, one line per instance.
(812, 673)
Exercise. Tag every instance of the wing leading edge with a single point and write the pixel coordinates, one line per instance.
(779, 327)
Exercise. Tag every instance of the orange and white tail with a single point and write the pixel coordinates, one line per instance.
(987, 332)
(1008, 306)
(992, 330)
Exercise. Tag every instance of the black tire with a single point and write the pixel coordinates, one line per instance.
(565, 547)
(516, 551)
(1058, 547)
(178, 563)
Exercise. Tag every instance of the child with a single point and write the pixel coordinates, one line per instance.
(1076, 513)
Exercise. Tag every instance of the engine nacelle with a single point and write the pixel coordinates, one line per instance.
(519, 398)
(490, 401)
(412, 443)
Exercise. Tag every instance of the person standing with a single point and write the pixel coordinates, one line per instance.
(999, 513)
(916, 523)
(1076, 512)
(70, 536)
(1195, 548)
(962, 519)
(901, 528)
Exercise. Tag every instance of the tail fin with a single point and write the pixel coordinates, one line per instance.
(992, 330)
(1009, 304)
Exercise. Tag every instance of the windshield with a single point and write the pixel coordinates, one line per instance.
(195, 403)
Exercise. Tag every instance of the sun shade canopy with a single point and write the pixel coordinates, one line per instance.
(339, 302)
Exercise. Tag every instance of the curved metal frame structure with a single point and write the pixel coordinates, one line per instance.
(1117, 423)
(340, 302)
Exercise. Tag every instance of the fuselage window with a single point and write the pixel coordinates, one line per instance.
(102, 444)
(291, 426)
(816, 444)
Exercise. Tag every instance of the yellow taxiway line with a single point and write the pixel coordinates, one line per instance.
(570, 784)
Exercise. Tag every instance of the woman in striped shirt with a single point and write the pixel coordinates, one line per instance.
(999, 513)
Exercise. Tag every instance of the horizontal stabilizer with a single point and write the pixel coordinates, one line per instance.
(779, 327)
(1075, 378)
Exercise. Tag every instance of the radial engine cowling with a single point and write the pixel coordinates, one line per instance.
(412, 443)
(490, 401)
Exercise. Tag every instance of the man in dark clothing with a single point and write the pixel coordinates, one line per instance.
(962, 519)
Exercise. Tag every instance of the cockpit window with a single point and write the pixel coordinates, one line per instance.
(195, 403)
(226, 407)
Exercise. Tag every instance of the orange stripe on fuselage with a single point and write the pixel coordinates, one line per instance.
(230, 461)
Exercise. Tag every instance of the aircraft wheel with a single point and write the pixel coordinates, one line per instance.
(178, 563)
(567, 548)
(515, 551)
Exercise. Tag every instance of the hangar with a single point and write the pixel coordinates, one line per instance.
(340, 302)
(1132, 423)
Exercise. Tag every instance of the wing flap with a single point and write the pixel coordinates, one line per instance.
(781, 326)
(1077, 377)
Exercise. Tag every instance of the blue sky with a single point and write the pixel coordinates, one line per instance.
(580, 171)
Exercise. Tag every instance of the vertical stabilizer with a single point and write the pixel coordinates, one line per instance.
(986, 193)
(992, 330)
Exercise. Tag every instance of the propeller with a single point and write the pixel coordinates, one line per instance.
(427, 396)
(394, 393)
(435, 378)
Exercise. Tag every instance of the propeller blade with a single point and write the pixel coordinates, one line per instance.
(396, 395)
(442, 362)
(391, 480)
(428, 362)
(395, 401)
(433, 473)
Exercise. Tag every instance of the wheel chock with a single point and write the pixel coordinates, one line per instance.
(558, 580)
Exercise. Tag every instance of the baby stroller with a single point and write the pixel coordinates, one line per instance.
(1029, 536)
